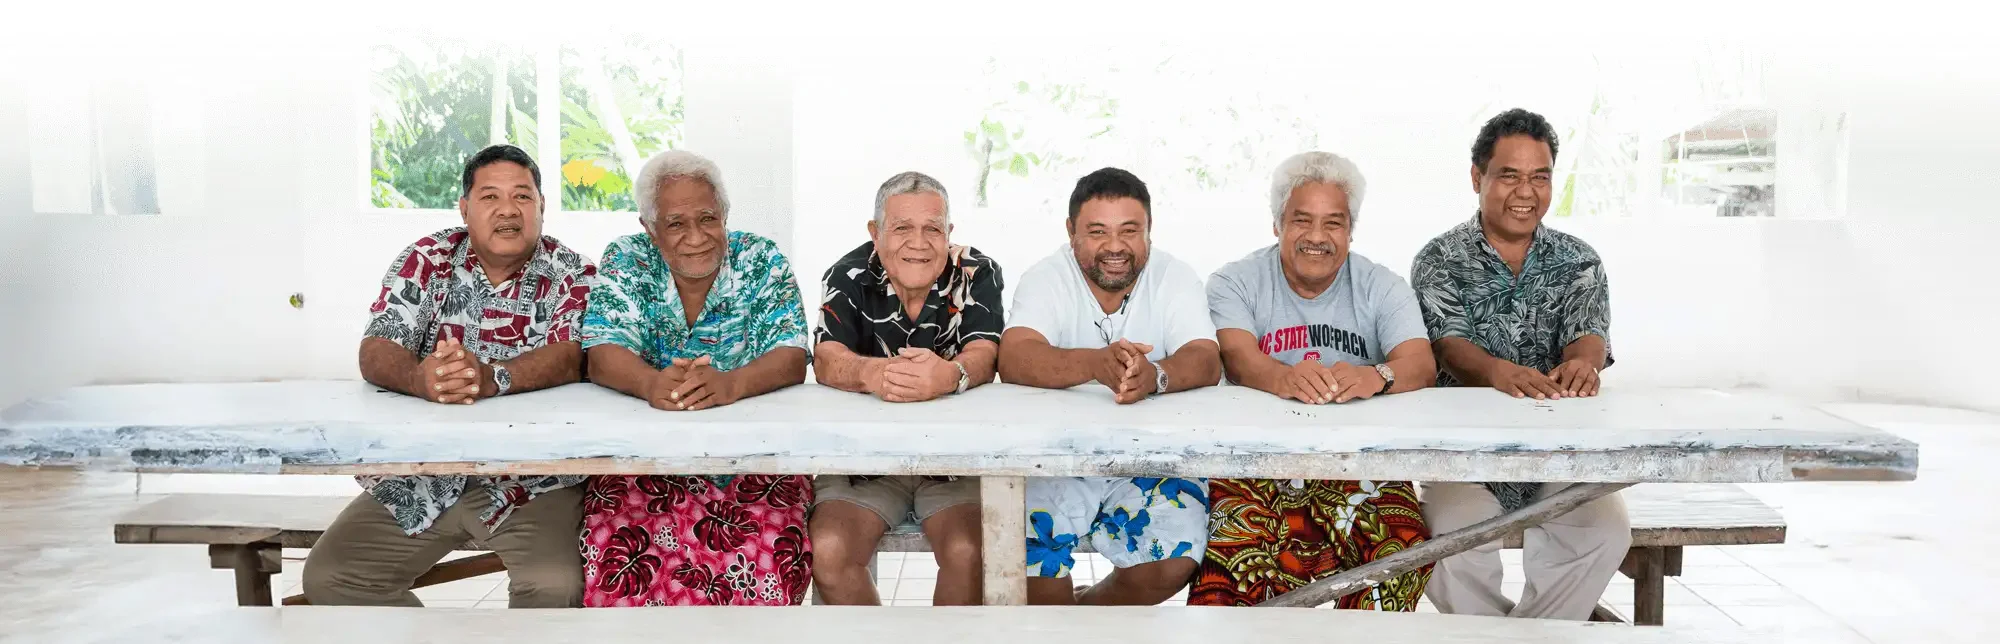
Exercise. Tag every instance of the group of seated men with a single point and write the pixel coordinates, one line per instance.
(690, 315)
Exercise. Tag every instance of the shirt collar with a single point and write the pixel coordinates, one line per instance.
(1476, 233)
(468, 259)
(727, 281)
(877, 275)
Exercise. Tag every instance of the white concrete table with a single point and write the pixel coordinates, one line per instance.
(999, 432)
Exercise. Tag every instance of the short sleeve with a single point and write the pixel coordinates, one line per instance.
(1399, 318)
(1188, 318)
(567, 323)
(981, 315)
(402, 312)
(1038, 305)
(1586, 302)
(1437, 295)
(839, 309)
(780, 317)
(1229, 303)
(615, 315)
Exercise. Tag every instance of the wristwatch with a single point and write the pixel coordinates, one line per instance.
(502, 380)
(1388, 377)
(964, 379)
(1159, 380)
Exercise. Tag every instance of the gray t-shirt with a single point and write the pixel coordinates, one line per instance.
(1367, 312)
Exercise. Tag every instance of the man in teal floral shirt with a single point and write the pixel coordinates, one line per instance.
(689, 316)
(1516, 306)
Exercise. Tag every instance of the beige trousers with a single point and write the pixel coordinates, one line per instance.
(1567, 560)
(364, 559)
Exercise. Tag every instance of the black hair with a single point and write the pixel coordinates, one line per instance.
(1109, 183)
(1510, 123)
(495, 154)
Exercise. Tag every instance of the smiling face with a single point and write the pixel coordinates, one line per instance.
(1514, 188)
(688, 228)
(912, 239)
(503, 211)
(1313, 235)
(1110, 239)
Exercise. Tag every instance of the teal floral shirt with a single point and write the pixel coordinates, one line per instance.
(1467, 291)
(752, 309)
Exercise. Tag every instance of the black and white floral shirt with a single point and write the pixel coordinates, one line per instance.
(1467, 291)
(861, 311)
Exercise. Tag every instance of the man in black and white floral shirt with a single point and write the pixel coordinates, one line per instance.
(465, 314)
(906, 317)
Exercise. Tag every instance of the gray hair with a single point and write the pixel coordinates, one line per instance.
(910, 183)
(676, 164)
(1317, 167)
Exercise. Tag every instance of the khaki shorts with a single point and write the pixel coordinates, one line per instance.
(897, 498)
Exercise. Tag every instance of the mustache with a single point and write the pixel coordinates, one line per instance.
(1105, 257)
(1324, 248)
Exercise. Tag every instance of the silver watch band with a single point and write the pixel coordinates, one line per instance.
(1159, 380)
(964, 378)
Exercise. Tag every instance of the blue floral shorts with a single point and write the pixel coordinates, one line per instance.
(1130, 521)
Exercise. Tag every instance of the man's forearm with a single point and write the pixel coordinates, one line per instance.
(1465, 361)
(1036, 364)
(1196, 364)
(388, 365)
(1413, 372)
(618, 368)
(980, 359)
(1253, 369)
(839, 367)
(549, 366)
(1589, 348)
(781, 368)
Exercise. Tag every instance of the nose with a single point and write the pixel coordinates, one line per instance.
(1524, 191)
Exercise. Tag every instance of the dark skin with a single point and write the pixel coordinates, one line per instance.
(502, 215)
(688, 231)
(1514, 194)
(1111, 236)
(1314, 233)
(913, 241)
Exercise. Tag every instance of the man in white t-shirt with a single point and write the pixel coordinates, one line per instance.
(1107, 309)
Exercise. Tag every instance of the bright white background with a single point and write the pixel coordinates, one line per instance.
(808, 109)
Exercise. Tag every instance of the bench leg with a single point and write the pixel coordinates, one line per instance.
(1438, 547)
(253, 577)
(1003, 509)
(1648, 569)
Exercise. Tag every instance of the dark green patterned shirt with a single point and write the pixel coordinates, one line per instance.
(1467, 291)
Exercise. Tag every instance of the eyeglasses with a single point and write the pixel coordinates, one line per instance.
(1104, 325)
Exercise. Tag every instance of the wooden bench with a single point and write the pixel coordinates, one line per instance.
(245, 532)
(958, 624)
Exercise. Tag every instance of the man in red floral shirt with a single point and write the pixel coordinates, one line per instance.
(465, 314)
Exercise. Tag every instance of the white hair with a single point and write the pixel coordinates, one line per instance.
(910, 183)
(676, 164)
(1317, 167)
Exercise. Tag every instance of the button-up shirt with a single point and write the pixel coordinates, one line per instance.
(752, 308)
(436, 289)
(1467, 291)
(861, 310)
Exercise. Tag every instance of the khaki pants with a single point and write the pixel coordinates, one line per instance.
(1567, 560)
(364, 559)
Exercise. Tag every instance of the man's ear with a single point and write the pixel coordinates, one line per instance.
(871, 230)
(1475, 179)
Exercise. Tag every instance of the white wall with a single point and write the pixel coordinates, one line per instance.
(1890, 302)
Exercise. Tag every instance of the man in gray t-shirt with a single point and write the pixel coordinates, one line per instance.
(1307, 320)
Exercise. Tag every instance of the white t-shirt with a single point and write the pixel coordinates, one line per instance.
(1166, 309)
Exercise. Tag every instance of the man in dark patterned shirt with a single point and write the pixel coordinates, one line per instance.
(906, 317)
(466, 314)
(1516, 306)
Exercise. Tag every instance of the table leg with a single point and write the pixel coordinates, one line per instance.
(1003, 510)
(1440, 546)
